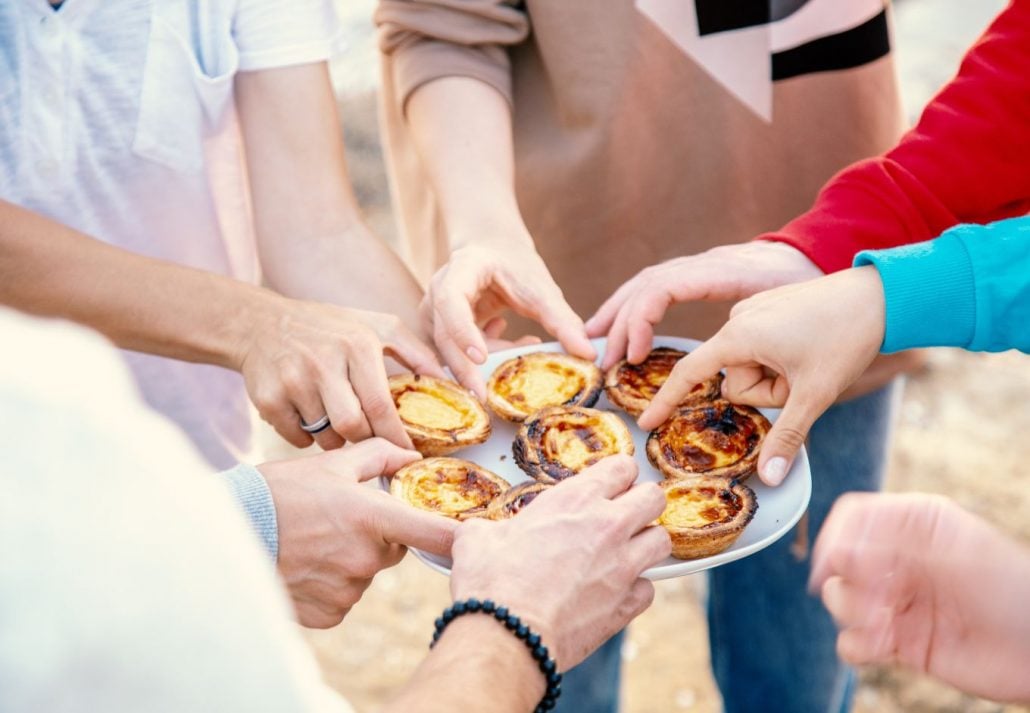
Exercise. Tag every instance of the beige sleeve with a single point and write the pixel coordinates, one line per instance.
(429, 39)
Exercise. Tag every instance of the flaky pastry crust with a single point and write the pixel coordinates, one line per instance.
(451, 487)
(521, 386)
(704, 516)
(717, 439)
(632, 386)
(509, 503)
(558, 442)
(440, 416)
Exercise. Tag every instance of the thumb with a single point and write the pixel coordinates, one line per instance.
(787, 435)
(402, 524)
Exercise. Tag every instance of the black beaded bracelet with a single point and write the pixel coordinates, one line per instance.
(537, 650)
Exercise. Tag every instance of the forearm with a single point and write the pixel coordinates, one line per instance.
(138, 302)
(968, 288)
(312, 239)
(965, 161)
(462, 130)
(478, 666)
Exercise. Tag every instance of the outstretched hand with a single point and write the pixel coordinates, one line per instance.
(914, 579)
(335, 533)
(569, 564)
(306, 360)
(476, 286)
(798, 347)
(728, 272)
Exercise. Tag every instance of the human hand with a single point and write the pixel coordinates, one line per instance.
(798, 346)
(727, 272)
(916, 580)
(570, 565)
(477, 284)
(336, 534)
(306, 360)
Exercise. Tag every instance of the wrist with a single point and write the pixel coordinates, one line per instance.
(259, 312)
(492, 231)
(496, 649)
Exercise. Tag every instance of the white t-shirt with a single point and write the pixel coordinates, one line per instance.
(117, 119)
(128, 579)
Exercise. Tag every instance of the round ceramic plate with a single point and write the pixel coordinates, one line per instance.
(778, 508)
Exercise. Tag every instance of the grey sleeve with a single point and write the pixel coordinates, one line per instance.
(250, 491)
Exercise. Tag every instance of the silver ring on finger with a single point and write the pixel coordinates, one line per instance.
(316, 427)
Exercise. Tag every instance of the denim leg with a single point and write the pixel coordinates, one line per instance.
(593, 686)
(774, 646)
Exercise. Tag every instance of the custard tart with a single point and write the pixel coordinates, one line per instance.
(705, 515)
(511, 502)
(440, 416)
(718, 439)
(560, 441)
(451, 487)
(520, 387)
(632, 386)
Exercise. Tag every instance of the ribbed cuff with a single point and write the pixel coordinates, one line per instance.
(250, 490)
(930, 293)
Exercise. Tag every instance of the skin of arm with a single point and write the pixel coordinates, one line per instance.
(569, 566)
(494, 264)
(283, 347)
(915, 580)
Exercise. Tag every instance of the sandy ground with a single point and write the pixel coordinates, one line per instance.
(963, 412)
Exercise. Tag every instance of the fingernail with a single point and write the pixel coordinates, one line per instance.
(475, 355)
(775, 471)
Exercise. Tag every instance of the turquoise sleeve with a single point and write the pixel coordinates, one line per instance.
(969, 288)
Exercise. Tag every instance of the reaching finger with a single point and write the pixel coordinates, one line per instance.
(410, 351)
(647, 310)
(402, 524)
(753, 385)
(639, 506)
(344, 410)
(368, 379)
(788, 434)
(309, 405)
(607, 478)
(648, 548)
(454, 323)
(463, 369)
(695, 367)
(615, 348)
(601, 323)
(370, 459)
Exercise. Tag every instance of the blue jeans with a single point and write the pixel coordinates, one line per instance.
(773, 646)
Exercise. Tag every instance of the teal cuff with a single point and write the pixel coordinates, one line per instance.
(249, 489)
(930, 293)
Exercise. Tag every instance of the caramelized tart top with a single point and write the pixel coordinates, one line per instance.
(633, 386)
(523, 385)
(711, 437)
(697, 506)
(435, 403)
(560, 441)
(448, 486)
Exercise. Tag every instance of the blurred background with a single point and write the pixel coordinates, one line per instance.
(961, 432)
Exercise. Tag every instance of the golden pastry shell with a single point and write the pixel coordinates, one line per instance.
(715, 537)
(506, 404)
(528, 445)
(713, 416)
(408, 483)
(621, 382)
(430, 440)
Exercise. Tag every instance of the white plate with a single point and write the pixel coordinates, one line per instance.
(778, 508)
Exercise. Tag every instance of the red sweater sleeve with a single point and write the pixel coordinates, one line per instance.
(966, 161)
